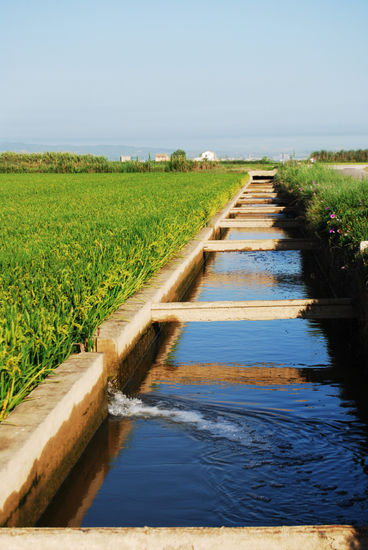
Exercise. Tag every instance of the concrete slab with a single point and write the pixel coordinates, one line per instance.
(259, 222)
(255, 195)
(259, 201)
(260, 209)
(260, 244)
(257, 310)
(319, 537)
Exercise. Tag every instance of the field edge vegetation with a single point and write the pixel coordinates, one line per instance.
(73, 248)
(335, 207)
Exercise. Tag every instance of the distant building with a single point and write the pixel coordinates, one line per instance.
(162, 157)
(207, 155)
(125, 158)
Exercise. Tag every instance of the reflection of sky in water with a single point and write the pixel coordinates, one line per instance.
(289, 342)
(271, 275)
(265, 233)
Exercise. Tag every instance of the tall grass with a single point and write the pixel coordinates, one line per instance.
(358, 155)
(70, 163)
(74, 247)
(336, 206)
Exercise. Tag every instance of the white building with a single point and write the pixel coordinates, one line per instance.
(125, 158)
(162, 157)
(207, 155)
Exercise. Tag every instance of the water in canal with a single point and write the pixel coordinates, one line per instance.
(236, 423)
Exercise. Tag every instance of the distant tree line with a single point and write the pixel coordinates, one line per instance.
(73, 164)
(52, 162)
(359, 155)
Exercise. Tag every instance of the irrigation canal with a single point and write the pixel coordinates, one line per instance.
(256, 418)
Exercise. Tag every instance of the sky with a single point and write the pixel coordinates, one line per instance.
(182, 72)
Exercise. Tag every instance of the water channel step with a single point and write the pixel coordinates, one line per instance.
(259, 201)
(259, 222)
(261, 209)
(260, 244)
(262, 189)
(257, 310)
(255, 195)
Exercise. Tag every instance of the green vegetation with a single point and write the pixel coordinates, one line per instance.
(70, 163)
(179, 153)
(52, 162)
(74, 247)
(246, 165)
(336, 206)
(360, 155)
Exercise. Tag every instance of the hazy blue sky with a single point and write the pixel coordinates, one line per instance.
(178, 72)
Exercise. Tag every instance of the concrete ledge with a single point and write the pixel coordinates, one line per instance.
(260, 209)
(257, 195)
(258, 200)
(255, 310)
(45, 435)
(227, 245)
(320, 537)
(260, 222)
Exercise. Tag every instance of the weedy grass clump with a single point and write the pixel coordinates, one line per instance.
(75, 247)
(335, 206)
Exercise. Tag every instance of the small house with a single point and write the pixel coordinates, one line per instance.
(207, 155)
(162, 157)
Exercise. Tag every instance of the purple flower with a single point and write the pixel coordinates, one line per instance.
(327, 208)
(300, 188)
(333, 215)
(332, 230)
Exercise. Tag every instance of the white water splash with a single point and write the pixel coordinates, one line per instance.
(121, 405)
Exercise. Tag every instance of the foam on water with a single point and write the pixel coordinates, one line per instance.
(123, 406)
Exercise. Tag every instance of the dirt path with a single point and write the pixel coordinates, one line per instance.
(356, 170)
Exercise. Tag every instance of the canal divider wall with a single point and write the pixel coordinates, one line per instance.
(44, 436)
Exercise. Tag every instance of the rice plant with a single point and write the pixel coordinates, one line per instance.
(73, 247)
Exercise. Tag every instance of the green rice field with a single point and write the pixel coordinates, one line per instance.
(73, 247)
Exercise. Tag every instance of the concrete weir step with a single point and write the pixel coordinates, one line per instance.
(257, 310)
(262, 189)
(256, 195)
(253, 201)
(260, 244)
(260, 209)
(259, 222)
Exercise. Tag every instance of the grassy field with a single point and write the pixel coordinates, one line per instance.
(73, 247)
(336, 206)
